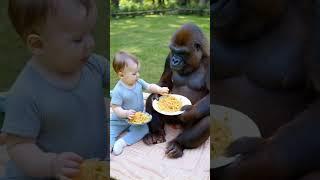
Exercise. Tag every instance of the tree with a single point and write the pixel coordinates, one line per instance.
(183, 2)
(161, 3)
(115, 3)
(203, 3)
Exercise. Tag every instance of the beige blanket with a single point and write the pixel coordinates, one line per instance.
(140, 161)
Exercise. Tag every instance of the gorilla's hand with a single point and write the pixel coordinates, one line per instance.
(257, 159)
(189, 113)
(174, 149)
(155, 97)
(155, 138)
(244, 146)
(247, 150)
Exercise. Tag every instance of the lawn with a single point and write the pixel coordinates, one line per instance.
(148, 38)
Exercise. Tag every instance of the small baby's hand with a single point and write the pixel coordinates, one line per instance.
(164, 90)
(130, 113)
(66, 165)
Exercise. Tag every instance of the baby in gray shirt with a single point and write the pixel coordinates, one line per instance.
(55, 113)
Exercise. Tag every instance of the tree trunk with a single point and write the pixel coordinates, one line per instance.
(183, 2)
(161, 3)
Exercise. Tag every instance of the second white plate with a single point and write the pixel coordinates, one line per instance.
(241, 125)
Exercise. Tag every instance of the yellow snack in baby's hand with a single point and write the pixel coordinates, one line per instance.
(139, 118)
(92, 170)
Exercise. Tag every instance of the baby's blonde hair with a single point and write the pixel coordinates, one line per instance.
(121, 59)
(27, 16)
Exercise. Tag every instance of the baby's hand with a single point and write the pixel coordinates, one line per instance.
(164, 90)
(130, 113)
(66, 165)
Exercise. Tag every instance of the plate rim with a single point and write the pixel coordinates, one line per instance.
(142, 123)
(227, 160)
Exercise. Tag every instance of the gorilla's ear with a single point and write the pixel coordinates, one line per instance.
(197, 46)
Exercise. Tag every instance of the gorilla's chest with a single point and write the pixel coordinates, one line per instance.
(192, 86)
(276, 71)
(266, 64)
(194, 81)
(264, 80)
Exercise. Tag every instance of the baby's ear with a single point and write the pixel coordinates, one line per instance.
(120, 74)
(35, 44)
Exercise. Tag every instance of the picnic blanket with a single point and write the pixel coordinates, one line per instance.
(140, 161)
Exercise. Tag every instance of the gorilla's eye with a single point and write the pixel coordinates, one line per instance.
(197, 46)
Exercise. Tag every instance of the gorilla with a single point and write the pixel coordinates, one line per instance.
(266, 65)
(186, 72)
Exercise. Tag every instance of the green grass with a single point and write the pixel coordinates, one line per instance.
(148, 38)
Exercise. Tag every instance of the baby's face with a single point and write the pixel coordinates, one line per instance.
(67, 36)
(130, 73)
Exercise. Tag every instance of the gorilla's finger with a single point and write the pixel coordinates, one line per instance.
(169, 148)
(243, 145)
(156, 97)
(158, 138)
(147, 139)
(174, 150)
(175, 153)
(161, 139)
(186, 107)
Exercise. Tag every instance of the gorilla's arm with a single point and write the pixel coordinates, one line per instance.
(202, 107)
(165, 80)
(292, 151)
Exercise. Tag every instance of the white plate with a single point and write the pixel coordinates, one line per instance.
(183, 99)
(150, 117)
(240, 124)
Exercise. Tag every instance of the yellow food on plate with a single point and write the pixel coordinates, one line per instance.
(139, 118)
(93, 170)
(169, 104)
(221, 137)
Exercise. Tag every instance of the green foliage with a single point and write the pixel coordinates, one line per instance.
(148, 38)
(130, 5)
(144, 5)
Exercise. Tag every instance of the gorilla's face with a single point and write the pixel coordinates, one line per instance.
(244, 18)
(179, 56)
(186, 49)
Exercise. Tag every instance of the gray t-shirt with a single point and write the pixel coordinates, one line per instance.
(128, 98)
(60, 119)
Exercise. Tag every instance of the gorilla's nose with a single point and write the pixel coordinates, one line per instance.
(175, 60)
